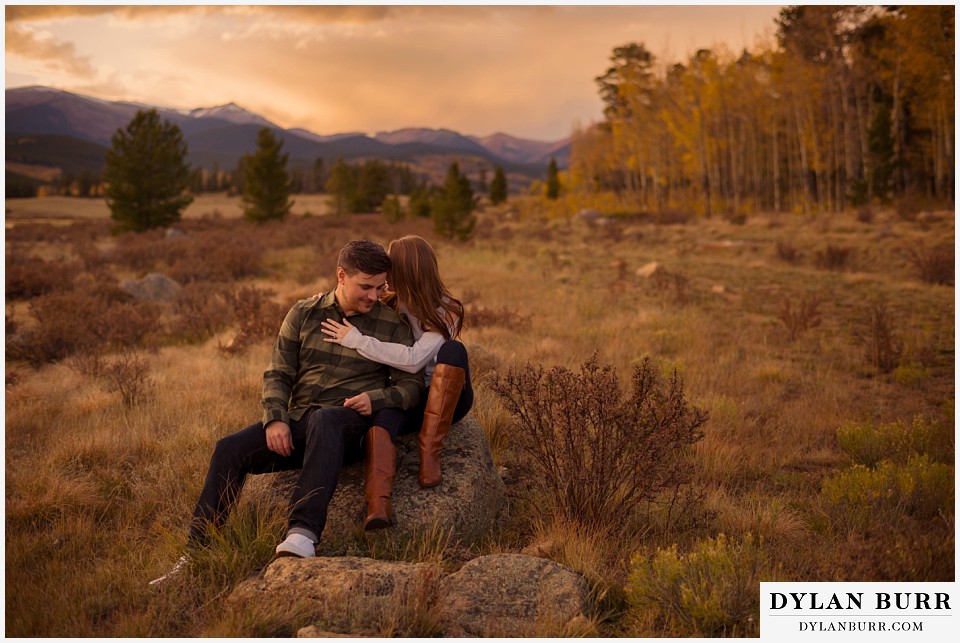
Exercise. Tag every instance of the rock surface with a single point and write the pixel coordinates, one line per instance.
(153, 287)
(498, 595)
(351, 594)
(467, 504)
(510, 595)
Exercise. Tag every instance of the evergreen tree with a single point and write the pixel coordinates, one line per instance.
(498, 187)
(342, 185)
(420, 198)
(373, 186)
(553, 180)
(146, 176)
(319, 174)
(266, 183)
(453, 206)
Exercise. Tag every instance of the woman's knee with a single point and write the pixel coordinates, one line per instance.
(390, 419)
(453, 353)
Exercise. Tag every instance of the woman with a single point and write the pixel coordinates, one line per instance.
(436, 318)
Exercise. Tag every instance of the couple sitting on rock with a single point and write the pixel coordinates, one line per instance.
(345, 368)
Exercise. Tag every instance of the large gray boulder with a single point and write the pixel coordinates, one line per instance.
(511, 595)
(497, 595)
(153, 287)
(466, 505)
(341, 595)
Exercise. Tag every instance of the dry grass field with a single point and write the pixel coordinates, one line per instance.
(821, 350)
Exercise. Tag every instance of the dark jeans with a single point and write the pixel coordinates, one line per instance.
(320, 439)
(452, 353)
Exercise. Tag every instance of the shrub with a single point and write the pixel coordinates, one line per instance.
(671, 287)
(258, 316)
(786, 251)
(710, 591)
(76, 321)
(219, 255)
(202, 310)
(673, 216)
(128, 374)
(596, 454)
(869, 444)
(802, 317)
(933, 265)
(882, 495)
(865, 214)
(28, 277)
(834, 257)
(882, 347)
(477, 317)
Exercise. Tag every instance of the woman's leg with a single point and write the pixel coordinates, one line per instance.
(454, 353)
(448, 385)
(381, 467)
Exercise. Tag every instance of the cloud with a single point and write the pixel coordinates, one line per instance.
(35, 13)
(42, 47)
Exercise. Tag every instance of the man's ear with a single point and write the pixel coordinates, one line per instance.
(341, 275)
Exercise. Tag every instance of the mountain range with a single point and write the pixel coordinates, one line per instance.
(50, 128)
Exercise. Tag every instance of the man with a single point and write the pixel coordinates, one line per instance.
(317, 397)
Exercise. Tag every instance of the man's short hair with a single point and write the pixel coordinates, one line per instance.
(364, 256)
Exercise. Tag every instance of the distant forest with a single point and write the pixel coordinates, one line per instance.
(852, 105)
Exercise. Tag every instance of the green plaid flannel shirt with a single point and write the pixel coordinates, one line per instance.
(306, 371)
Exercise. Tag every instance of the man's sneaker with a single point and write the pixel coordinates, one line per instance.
(178, 569)
(296, 545)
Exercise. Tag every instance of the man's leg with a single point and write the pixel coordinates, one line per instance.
(326, 432)
(234, 456)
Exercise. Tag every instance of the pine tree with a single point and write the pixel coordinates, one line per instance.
(342, 185)
(498, 187)
(266, 182)
(146, 176)
(553, 180)
(453, 205)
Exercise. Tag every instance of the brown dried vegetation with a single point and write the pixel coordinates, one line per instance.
(113, 404)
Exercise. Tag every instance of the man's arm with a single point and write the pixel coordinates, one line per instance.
(279, 378)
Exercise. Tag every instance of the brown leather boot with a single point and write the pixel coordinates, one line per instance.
(380, 468)
(442, 399)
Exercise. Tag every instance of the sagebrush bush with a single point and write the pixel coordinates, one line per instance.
(201, 310)
(478, 317)
(129, 375)
(933, 265)
(73, 322)
(883, 348)
(834, 257)
(868, 444)
(801, 316)
(28, 277)
(595, 453)
(788, 252)
(711, 591)
(257, 315)
(882, 495)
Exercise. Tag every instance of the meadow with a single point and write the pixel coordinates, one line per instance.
(819, 348)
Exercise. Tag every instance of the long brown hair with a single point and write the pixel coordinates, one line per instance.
(415, 278)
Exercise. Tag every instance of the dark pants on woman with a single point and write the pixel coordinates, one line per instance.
(320, 439)
(452, 353)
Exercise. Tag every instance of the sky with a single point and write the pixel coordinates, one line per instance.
(527, 71)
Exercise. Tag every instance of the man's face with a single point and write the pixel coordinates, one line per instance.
(357, 293)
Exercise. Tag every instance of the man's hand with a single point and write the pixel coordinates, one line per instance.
(359, 403)
(279, 438)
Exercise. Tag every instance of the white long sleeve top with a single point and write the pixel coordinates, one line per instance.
(410, 359)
